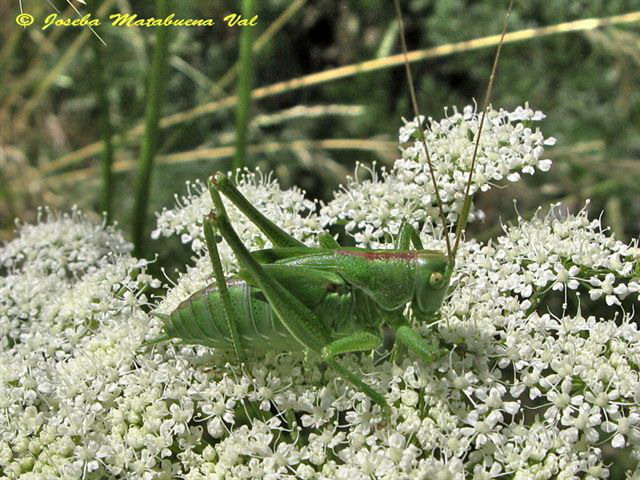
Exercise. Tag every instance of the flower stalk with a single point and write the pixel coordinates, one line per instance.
(155, 98)
(245, 82)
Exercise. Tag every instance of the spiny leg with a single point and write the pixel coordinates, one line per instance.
(356, 342)
(221, 183)
(229, 311)
(303, 325)
(296, 317)
(406, 237)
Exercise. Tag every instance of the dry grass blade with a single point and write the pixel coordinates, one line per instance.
(306, 111)
(350, 70)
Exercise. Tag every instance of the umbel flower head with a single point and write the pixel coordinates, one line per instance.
(377, 208)
(540, 379)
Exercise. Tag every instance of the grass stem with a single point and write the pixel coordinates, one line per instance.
(106, 131)
(155, 98)
(245, 81)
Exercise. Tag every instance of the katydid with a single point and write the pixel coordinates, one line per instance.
(329, 299)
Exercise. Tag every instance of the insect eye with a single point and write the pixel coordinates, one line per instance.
(436, 280)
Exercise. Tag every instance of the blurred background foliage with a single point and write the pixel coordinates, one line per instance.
(51, 113)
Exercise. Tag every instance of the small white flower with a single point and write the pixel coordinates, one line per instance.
(622, 427)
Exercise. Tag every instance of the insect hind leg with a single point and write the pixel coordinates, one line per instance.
(356, 342)
(301, 322)
(222, 184)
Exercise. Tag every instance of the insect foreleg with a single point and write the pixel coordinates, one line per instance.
(325, 240)
(221, 183)
(353, 378)
(406, 237)
(301, 322)
(229, 311)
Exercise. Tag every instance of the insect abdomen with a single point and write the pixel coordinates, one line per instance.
(200, 319)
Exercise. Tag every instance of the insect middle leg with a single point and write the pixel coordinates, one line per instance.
(429, 351)
(301, 322)
(356, 342)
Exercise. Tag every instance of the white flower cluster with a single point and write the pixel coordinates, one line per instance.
(541, 379)
(288, 208)
(45, 258)
(548, 384)
(62, 244)
(373, 210)
(70, 325)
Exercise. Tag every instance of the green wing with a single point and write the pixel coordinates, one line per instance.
(308, 285)
(273, 255)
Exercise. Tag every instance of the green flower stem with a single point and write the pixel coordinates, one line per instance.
(155, 98)
(245, 81)
(102, 103)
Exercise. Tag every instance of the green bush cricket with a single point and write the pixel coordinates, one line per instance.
(329, 299)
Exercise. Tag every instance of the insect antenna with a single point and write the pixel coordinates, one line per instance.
(466, 206)
(419, 130)
(451, 253)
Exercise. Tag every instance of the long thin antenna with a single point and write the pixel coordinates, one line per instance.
(466, 206)
(421, 136)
